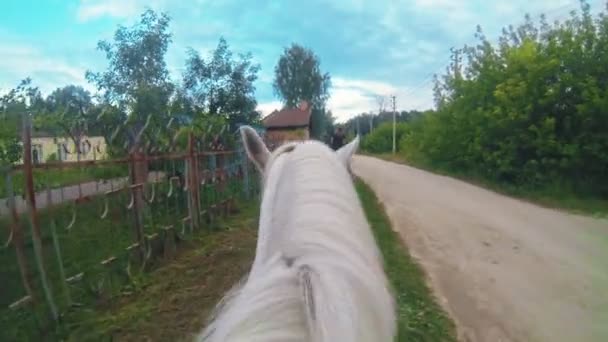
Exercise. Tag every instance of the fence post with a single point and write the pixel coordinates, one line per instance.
(220, 185)
(33, 215)
(55, 237)
(193, 183)
(17, 238)
(213, 186)
(137, 178)
(245, 169)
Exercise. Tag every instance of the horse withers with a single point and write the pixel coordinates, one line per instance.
(317, 274)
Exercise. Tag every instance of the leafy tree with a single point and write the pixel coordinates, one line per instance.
(365, 123)
(319, 124)
(528, 111)
(381, 139)
(137, 80)
(298, 77)
(24, 99)
(107, 122)
(330, 124)
(222, 86)
(66, 112)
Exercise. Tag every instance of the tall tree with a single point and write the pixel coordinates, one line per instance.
(223, 85)
(137, 79)
(529, 110)
(298, 76)
(25, 99)
(67, 112)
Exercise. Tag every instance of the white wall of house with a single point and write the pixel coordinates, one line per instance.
(64, 149)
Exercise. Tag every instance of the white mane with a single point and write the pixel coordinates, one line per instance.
(317, 274)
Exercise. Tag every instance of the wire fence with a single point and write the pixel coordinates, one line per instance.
(77, 232)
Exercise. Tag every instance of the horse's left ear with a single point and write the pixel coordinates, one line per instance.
(346, 152)
(255, 147)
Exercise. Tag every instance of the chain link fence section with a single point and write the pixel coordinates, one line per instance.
(70, 243)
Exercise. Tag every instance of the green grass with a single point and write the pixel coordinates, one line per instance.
(178, 296)
(56, 178)
(175, 299)
(556, 196)
(420, 318)
(90, 241)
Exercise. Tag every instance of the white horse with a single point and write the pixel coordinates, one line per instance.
(317, 273)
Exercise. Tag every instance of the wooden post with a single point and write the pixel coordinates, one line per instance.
(17, 238)
(33, 214)
(193, 188)
(137, 178)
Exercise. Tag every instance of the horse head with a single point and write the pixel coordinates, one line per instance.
(318, 274)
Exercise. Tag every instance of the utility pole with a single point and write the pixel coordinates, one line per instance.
(394, 126)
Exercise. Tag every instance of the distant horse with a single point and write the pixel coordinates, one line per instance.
(317, 273)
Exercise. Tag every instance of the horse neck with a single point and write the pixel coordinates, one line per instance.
(303, 193)
(310, 214)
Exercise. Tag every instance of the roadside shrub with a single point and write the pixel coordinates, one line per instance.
(52, 157)
(381, 139)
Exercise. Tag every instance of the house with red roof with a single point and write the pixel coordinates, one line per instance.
(288, 124)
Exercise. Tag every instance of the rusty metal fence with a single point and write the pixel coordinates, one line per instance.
(89, 236)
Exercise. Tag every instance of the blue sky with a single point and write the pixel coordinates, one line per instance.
(377, 47)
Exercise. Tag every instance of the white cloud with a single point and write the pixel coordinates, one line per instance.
(437, 4)
(268, 107)
(346, 103)
(92, 9)
(367, 86)
(19, 61)
(351, 97)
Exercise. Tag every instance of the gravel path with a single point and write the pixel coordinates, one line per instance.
(504, 269)
(70, 193)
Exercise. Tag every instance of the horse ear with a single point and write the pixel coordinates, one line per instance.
(255, 147)
(346, 152)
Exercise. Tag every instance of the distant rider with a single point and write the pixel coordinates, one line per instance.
(337, 139)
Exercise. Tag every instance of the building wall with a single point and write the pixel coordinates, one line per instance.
(279, 136)
(92, 148)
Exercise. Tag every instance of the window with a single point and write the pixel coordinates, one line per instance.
(36, 153)
(62, 150)
(85, 147)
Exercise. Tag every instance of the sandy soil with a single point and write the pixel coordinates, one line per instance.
(504, 269)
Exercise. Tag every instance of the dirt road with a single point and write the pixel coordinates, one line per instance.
(504, 269)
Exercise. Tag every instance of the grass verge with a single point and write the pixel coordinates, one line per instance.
(420, 318)
(56, 178)
(555, 197)
(90, 241)
(172, 302)
(176, 298)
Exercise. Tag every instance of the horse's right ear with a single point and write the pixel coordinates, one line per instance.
(346, 152)
(255, 147)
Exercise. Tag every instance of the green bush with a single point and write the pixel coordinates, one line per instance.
(52, 157)
(108, 172)
(529, 111)
(381, 139)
